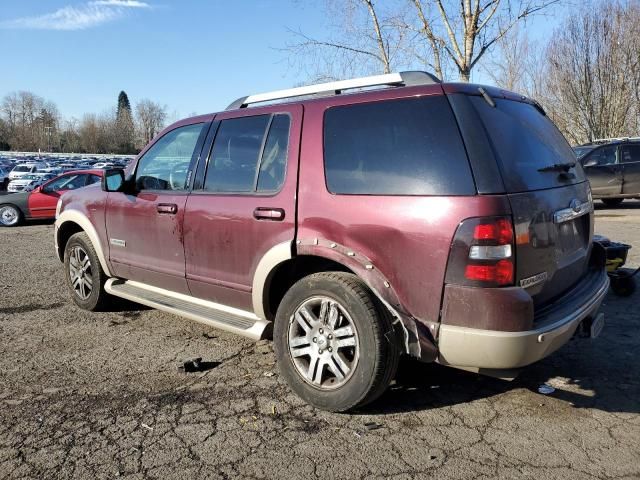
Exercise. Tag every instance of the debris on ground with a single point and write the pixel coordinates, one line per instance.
(372, 426)
(147, 426)
(546, 389)
(209, 336)
(197, 365)
(268, 374)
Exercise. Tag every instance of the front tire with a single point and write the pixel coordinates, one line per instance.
(331, 344)
(83, 273)
(10, 215)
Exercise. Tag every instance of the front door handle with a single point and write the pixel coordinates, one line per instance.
(169, 208)
(267, 213)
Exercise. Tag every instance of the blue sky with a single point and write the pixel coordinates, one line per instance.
(192, 55)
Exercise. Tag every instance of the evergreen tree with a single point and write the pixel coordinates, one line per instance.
(124, 125)
(124, 106)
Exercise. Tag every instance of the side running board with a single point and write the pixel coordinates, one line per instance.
(213, 314)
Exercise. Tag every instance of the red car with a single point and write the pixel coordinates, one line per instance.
(41, 202)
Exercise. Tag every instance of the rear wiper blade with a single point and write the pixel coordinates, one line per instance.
(558, 167)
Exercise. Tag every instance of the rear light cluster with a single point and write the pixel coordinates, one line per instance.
(482, 253)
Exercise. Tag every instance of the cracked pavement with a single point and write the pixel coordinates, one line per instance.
(98, 396)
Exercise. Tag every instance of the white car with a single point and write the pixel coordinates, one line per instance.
(28, 182)
(24, 169)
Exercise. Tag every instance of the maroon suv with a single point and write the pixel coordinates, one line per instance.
(448, 222)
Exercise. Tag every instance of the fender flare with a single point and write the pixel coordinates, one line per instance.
(418, 338)
(85, 224)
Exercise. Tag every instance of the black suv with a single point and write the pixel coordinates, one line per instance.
(613, 168)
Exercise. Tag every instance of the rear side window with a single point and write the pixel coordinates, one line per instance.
(249, 154)
(631, 153)
(524, 140)
(397, 147)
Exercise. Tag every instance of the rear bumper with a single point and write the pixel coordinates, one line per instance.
(491, 349)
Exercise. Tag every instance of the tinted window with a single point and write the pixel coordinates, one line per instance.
(630, 153)
(601, 156)
(398, 147)
(524, 140)
(274, 158)
(165, 165)
(234, 159)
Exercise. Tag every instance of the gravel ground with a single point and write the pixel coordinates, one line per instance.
(99, 396)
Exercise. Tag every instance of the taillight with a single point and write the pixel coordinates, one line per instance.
(482, 253)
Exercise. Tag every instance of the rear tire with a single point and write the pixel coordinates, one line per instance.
(83, 273)
(331, 344)
(612, 202)
(10, 215)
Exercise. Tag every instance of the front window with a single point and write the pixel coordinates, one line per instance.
(22, 168)
(601, 156)
(166, 164)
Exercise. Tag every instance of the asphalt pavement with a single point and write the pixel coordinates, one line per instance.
(100, 396)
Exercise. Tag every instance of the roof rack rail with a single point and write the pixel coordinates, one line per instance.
(402, 79)
(613, 139)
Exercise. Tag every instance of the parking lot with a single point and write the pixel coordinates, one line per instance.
(100, 396)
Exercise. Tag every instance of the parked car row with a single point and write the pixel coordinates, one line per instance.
(613, 168)
(28, 172)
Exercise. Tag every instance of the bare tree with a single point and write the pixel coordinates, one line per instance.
(151, 117)
(443, 35)
(593, 72)
(31, 122)
(363, 38)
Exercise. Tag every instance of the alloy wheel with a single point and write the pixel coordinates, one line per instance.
(80, 272)
(9, 215)
(323, 343)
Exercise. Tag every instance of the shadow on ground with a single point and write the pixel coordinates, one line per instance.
(600, 373)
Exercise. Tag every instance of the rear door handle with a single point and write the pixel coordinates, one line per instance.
(267, 213)
(169, 208)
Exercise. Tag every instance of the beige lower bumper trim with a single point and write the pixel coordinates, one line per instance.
(470, 347)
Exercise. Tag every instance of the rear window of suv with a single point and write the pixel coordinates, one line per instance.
(396, 147)
(524, 140)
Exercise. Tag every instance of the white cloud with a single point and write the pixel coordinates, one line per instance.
(122, 3)
(81, 17)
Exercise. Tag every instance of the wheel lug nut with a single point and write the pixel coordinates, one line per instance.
(330, 349)
(320, 351)
(330, 337)
(315, 339)
(321, 331)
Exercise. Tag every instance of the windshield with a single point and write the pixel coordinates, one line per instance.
(525, 142)
(22, 168)
(582, 151)
(31, 177)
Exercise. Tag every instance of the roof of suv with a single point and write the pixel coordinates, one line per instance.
(354, 88)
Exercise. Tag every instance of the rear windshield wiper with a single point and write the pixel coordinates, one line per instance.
(558, 167)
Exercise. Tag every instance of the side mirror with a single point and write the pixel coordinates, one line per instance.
(38, 189)
(113, 180)
(590, 163)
